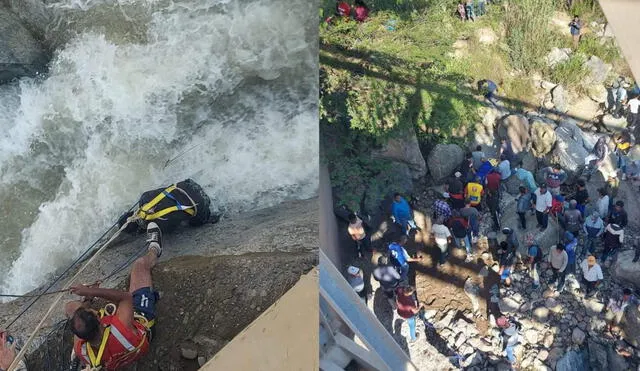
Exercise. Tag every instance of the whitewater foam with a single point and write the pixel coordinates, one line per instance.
(234, 82)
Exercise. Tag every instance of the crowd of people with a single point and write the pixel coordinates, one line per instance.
(359, 11)
(469, 10)
(592, 227)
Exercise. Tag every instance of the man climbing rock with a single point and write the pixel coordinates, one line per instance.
(116, 340)
(170, 206)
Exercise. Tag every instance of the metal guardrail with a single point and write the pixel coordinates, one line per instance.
(337, 299)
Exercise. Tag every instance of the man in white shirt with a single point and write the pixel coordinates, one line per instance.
(543, 205)
(441, 236)
(591, 274)
(603, 202)
(634, 104)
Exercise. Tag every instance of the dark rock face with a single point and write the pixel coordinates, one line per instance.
(20, 53)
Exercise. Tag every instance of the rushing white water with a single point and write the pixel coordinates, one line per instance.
(228, 90)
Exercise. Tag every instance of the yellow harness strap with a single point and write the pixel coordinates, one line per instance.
(145, 212)
(95, 361)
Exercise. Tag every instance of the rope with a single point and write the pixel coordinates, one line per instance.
(30, 296)
(78, 260)
(22, 352)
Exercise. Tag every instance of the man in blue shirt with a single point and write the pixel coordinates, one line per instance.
(574, 28)
(488, 89)
(400, 258)
(401, 212)
(526, 177)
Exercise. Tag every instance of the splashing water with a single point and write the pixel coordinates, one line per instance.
(227, 91)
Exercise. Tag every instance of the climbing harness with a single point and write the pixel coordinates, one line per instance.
(148, 213)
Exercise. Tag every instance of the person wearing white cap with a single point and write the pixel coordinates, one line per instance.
(356, 280)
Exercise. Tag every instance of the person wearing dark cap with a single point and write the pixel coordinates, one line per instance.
(613, 239)
(619, 215)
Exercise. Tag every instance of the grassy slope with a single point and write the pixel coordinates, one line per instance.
(376, 81)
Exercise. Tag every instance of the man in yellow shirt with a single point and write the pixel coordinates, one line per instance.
(473, 192)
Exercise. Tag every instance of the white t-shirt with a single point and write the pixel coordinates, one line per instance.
(543, 201)
(634, 104)
(440, 233)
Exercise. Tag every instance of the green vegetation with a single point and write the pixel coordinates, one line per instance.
(414, 66)
(528, 32)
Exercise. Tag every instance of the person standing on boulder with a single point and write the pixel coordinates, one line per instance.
(574, 28)
(558, 259)
(591, 274)
(554, 176)
(623, 146)
(543, 204)
(523, 205)
(358, 234)
(593, 229)
(633, 105)
(620, 94)
(598, 154)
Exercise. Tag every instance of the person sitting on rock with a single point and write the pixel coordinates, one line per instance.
(360, 11)
(389, 279)
(511, 337)
(473, 192)
(591, 275)
(554, 176)
(169, 207)
(616, 309)
(582, 196)
(558, 259)
(572, 220)
(114, 340)
(401, 213)
(455, 189)
(613, 239)
(358, 234)
(8, 353)
(593, 229)
(507, 260)
(623, 146)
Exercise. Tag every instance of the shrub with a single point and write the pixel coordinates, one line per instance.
(528, 32)
(570, 72)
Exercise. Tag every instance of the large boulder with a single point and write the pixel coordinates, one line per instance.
(572, 361)
(515, 128)
(559, 99)
(597, 93)
(569, 150)
(614, 124)
(486, 36)
(20, 53)
(543, 138)
(624, 269)
(598, 71)
(631, 327)
(443, 160)
(598, 359)
(404, 148)
(484, 130)
(557, 55)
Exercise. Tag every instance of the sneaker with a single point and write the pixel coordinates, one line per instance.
(154, 238)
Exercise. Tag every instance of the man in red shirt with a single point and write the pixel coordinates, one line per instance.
(493, 181)
(407, 308)
(115, 340)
